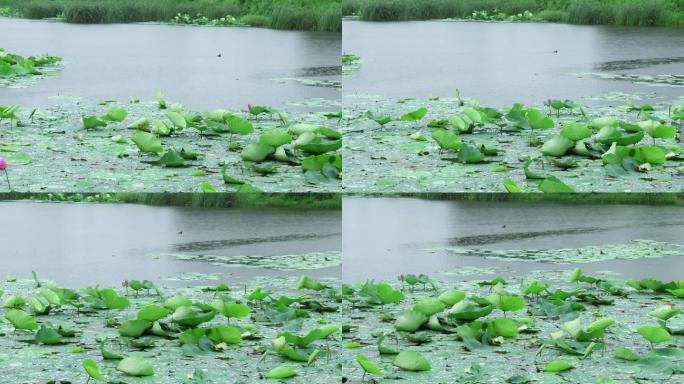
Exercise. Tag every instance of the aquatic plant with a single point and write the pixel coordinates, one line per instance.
(3, 167)
(623, 12)
(571, 144)
(9, 112)
(13, 65)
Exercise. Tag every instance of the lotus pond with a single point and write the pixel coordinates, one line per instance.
(441, 294)
(15, 68)
(457, 144)
(477, 123)
(124, 304)
(133, 145)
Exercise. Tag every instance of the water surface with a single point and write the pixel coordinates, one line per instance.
(83, 244)
(502, 63)
(384, 237)
(137, 60)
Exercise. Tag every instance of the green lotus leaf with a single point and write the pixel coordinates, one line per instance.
(414, 115)
(147, 142)
(558, 366)
(177, 119)
(410, 360)
(576, 132)
(239, 126)
(281, 372)
(90, 122)
(410, 321)
(504, 327)
(429, 306)
(115, 113)
(368, 366)
(256, 152)
(557, 146)
(447, 140)
(135, 366)
(451, 297)
(275, 137)
(92, 370)
(134, 328)
(654, 334)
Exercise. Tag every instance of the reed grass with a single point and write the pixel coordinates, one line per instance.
(600, 12)
(312, 15)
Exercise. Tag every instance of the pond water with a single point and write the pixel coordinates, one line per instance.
(137, 60)
(83, 244)
(503, 63)
(385, 237)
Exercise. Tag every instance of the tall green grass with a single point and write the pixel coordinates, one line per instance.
(313, 15)
(396, 10)
(603, 12)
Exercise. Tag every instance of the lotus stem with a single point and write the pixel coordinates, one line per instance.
(9, 187)
(327, 346)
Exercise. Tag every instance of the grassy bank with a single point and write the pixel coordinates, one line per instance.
(605, 12)
(311, 15)
(570, 198)
(201, 200)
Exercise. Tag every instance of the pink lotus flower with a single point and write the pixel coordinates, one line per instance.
(3, 167)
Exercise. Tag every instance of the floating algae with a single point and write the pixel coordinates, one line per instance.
(294, 262)
(635, 249)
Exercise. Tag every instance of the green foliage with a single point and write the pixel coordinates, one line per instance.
(368, 366)
(616, 12)
(410, 321)
(93, 370)
(135, 366)
(315, 15)
(281, 372)
(558, 366)
(654, 334)
(21, 320)
(410, 360)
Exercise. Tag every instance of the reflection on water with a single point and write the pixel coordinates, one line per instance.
(137, 60)
(81, 244)
(500, 237)
(320, 71)
(638, 63)
(218, 244)
(384, 237)
(502, 63)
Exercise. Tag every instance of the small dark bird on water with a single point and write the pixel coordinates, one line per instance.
(556, 51)
(180, 232)
(219, 55)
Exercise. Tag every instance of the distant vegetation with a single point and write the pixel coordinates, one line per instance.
(200, 200)
(310, 15)
(570, 198)
(605, 12)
